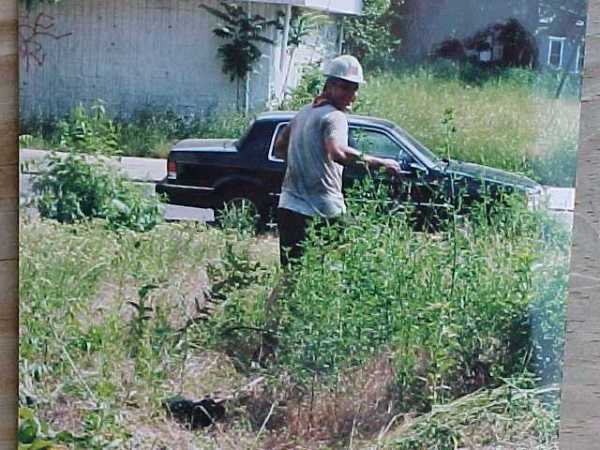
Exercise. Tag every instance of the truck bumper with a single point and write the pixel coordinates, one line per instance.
(185, 195)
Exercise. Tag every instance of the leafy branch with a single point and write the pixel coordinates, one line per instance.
(242, 32)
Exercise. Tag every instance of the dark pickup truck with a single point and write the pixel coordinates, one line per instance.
(211, 173)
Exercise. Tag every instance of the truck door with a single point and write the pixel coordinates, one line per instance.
(372, 141)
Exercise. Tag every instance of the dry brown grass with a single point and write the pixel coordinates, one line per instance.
(360, 405)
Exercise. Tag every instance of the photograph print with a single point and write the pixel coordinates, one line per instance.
(295, 224)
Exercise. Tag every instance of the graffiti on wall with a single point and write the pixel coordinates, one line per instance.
(31, 36)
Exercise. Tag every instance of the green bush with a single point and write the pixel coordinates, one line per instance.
(72, 189)
(446, 306)
(90, 131)
(308, 88)
(455, 307)
(149, 132)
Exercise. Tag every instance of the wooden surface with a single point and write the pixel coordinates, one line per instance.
(8, 223)
(580, 408)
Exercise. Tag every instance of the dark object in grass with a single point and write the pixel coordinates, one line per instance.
(194, 414)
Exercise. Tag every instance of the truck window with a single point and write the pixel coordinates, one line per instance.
(274, 155)
(376, 143)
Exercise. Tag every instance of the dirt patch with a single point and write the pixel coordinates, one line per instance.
(66, 413)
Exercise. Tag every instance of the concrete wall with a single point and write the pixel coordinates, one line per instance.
(135, 54)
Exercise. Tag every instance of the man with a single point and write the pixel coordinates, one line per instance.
(316, 148)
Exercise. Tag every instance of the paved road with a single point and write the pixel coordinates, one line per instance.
(146, 171)
(561, 201)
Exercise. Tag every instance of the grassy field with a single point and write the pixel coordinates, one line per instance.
(505, 122)
(510, 121)
(384, 337)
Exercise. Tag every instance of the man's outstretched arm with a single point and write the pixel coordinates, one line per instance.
(344, 154)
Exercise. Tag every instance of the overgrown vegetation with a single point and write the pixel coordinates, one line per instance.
(376, 338)
(505, 122)
(508, 119)
(150, 132)
(73, 188)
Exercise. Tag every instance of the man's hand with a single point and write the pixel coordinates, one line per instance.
(391, 166)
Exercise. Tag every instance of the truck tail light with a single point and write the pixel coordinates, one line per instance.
(171, 170)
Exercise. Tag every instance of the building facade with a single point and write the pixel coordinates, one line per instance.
(140, 54)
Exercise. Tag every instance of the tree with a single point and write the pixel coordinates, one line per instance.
(302, 25)
(242, 32)
(368, 36)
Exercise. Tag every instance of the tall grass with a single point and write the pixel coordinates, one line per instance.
(148, 132)
(509, 119)
(506, 122)
(110, 328)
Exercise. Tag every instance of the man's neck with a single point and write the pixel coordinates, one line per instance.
(323, 99)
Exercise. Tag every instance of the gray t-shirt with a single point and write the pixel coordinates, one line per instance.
(313, 182)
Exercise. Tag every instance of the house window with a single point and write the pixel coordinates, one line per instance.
(485, 50)
(555, 51)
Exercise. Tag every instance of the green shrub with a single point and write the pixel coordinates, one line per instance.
(308, 88)
(454, 307)
(90, 131)
(73, 188)
(133, 208)
(459, 309)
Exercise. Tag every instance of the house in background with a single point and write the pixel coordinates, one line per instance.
(560, 33)
(158, 54)
(529, 33)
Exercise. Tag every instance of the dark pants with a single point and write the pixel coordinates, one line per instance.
(292, 234)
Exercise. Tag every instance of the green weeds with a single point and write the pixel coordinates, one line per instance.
(443, 315)
(91, 131)
(457, 312)
(74, 188)
(508, 119)
(149, 132)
